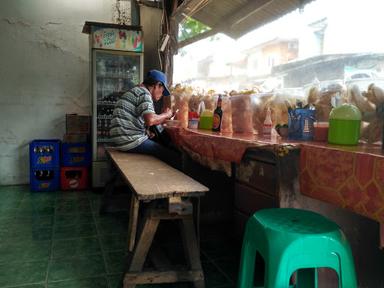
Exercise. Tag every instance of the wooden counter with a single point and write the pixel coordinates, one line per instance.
(350, 177)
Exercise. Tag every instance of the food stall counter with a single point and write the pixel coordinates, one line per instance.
(350, 177)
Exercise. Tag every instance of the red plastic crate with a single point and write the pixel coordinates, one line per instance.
(74, 178)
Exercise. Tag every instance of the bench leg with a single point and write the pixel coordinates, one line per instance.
(141, 250)
(191, 248)
(132, 225)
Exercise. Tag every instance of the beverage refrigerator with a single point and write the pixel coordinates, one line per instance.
(116, 58)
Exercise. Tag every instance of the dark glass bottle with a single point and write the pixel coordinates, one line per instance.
(217, 116)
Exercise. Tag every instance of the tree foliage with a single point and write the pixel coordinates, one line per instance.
(191, 27)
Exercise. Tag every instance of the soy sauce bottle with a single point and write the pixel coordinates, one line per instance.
(217, 116)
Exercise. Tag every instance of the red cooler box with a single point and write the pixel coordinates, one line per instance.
(74, 178)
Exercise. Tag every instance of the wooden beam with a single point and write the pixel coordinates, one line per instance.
(164, 215)
(180, 10)
(188, 8)
(197, 38)
(191, 248)
(143, 244)
(244, 12)
(152, 4)
(132, 278)
(132, 225)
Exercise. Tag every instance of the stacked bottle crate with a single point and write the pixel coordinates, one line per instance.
(44, 158)
(75, 153)
(76, 159)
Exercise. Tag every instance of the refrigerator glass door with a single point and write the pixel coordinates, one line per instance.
(114, 72)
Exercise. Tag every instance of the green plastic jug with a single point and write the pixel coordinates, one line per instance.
(344, 125)
(206, 120)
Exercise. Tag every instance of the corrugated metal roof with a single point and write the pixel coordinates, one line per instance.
(238, 17)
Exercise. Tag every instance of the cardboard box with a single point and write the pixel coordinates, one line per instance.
(77, 124)
(75, 138)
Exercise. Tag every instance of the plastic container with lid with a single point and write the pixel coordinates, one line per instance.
(344, 125)
(206, 120)
(242, 113)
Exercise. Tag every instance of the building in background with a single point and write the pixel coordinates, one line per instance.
(248, 67)
(322, 28)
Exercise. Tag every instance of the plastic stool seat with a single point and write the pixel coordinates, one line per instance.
(289, 220)
(292, 240)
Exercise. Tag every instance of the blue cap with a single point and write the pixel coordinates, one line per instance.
(161, 77)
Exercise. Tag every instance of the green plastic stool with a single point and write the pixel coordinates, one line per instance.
(292, 240)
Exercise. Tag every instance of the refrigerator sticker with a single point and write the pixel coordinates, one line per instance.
(117, 39)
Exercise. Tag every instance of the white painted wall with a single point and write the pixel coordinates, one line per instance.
(43, 73)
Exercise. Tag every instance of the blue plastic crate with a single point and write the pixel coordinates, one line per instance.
(76, 154)
(44, 179)
(44, 153)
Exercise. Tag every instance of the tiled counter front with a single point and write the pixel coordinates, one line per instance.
(345, 176)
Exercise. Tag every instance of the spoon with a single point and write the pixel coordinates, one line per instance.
(173, 117)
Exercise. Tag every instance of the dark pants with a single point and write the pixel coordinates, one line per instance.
(150, 147)
(165, 154)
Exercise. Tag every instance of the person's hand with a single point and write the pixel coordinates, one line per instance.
(168, 112)
(150, 134)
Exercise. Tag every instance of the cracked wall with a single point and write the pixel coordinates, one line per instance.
(43, 74)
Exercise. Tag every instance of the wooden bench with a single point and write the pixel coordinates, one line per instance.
(150, 179)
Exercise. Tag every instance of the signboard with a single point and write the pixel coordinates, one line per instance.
(117, 39)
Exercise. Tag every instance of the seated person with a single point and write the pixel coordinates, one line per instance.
(134, 113)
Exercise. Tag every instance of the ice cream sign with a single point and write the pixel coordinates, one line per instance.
(117, 39)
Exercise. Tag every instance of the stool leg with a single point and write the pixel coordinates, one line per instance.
(191, 249)
(275, 277)
(247, 263)
(307, 278)
(347, 276)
